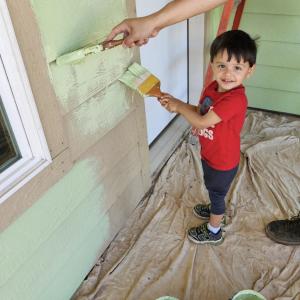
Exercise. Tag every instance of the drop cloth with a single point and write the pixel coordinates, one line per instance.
(151, 256)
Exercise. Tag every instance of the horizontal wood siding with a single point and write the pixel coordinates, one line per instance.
(276, 78)
(83, 256)
(278, 7)
(87, 78)
(56, 229)
(89, 122)
(275, 84)
(268, 98)
(56, 226)
(67, 25)
(289, 55)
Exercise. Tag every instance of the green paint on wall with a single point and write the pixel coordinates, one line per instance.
(53, 234)
(68, 25)
(276, 28)
(277, 78)
(33, 241)
(80, 262)
(76, 83)
(268, 55)
(101, 112)
(275, 84)
(276, 7)
(267, 98)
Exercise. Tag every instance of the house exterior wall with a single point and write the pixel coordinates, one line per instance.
(55, 227)
(275, 83)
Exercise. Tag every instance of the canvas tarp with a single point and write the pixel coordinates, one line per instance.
(152, 257)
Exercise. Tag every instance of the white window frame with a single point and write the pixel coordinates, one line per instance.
(21, 111)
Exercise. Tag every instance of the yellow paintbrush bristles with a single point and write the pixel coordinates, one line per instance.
(140, 79)
(149, 83)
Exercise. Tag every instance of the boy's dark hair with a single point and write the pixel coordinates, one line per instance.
(237, 43)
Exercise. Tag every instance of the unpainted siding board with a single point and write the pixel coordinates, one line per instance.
(141, 128)
(115, 145)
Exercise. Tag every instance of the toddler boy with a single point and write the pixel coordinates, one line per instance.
(218, 121)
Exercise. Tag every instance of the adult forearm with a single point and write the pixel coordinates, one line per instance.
(179, 10)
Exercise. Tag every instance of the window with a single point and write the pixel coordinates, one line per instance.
(9, 150)
(23, 148)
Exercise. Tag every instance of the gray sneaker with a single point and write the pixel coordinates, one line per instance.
(202, 211)
(285, 232)
(201, 235)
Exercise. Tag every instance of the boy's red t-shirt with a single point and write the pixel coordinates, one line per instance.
(220, 144)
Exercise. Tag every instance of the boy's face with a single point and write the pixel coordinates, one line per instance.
(230, 74)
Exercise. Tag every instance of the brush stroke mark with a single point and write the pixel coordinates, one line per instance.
(76, 83)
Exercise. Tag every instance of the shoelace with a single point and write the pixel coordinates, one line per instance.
(203, 231)
(205, 207)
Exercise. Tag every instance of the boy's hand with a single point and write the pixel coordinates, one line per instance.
(170, 103)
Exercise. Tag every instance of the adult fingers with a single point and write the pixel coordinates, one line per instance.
(139, 43)
(142, 42)
(131, 45)
(120, 28)
(154, 33)
(130, 41)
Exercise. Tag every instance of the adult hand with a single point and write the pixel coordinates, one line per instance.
(136, 31)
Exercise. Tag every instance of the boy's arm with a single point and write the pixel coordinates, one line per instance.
(190, 112)
(138, 30)
(196, 120)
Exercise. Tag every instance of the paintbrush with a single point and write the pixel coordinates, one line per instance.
(140, 79)
(78, 55)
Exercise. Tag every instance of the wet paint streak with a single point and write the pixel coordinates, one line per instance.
(76, 83)
(101, 113)
(20, 240)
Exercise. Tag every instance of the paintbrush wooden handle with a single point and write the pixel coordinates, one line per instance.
(111, 44)
(155, 91)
